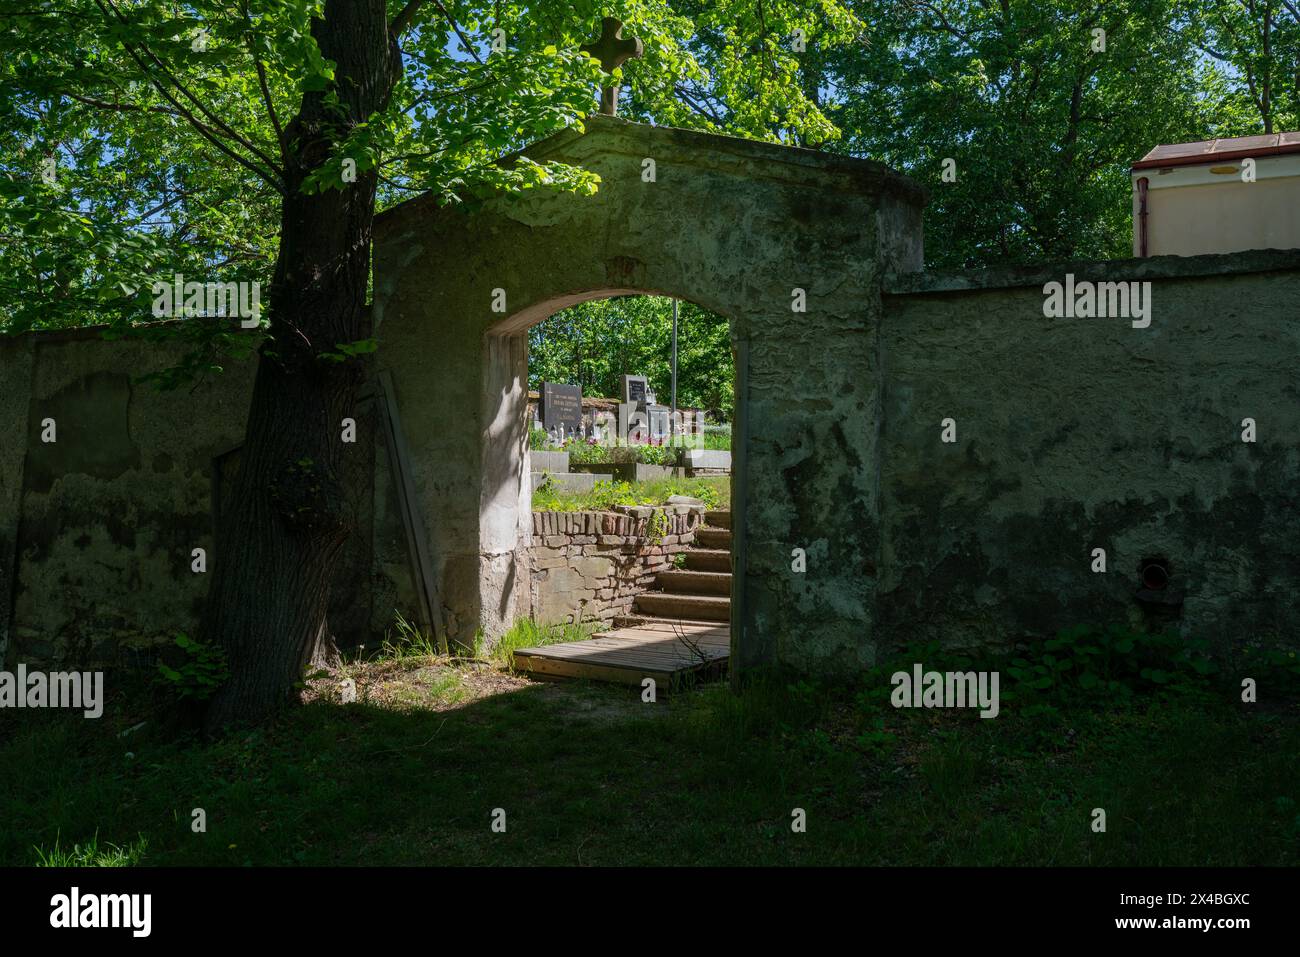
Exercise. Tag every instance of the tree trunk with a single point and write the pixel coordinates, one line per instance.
(288, 519)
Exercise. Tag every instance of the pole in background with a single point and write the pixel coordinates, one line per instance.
(672, 418)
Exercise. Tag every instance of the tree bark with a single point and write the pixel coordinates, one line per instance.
(288, 519)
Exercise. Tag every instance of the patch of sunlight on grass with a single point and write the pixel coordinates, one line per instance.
(527, 633)
(91, 854)
(447, 688)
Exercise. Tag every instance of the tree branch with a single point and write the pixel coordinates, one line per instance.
(275, 176)
(456, 27)
(403, 19)
(261, 82)
(136, 108)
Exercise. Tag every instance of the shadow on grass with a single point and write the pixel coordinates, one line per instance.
(591, 775)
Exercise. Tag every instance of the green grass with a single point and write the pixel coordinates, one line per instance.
(714, 492)
(406, 640)
(716, 441)
(589, 774)
(91, 854)
(526, 633)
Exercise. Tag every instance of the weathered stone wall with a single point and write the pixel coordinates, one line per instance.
(1071, 434)
(109, 513)
(17, 355)
(1075, 434)
(97, 528)
(591, 565)
(788, 244)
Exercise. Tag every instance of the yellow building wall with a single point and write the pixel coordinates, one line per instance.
(1221, 215)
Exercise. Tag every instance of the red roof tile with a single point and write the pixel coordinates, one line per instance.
(1210, 151)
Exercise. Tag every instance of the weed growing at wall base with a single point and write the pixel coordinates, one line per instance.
(91, 854)
(198, 673)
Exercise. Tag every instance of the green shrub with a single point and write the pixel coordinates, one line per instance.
(586, 452)
(656, 455)
(540, 441)
(1280, 665)
(201, 670)
(1115, 662)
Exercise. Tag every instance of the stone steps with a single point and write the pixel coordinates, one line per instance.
(708, 560)
(635, 621)
(711, 537)
(701, 591)
(660, 604)
(667, 630)
(690, 582)
(718, 519)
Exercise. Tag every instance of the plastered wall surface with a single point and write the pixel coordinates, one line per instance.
(111, 510)
(788, 244)
(1070, 434)
(1082, 433)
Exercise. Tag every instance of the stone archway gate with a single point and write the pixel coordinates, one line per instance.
(738, 227)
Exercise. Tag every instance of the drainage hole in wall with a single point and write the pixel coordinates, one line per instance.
(1154, 574)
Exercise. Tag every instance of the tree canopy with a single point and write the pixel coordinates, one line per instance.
(592, 344)
(139, 139)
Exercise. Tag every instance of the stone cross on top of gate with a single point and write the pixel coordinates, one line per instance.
(612, 50)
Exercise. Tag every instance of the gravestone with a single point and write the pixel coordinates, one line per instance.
(604, 427)
(561, 407)
(659, 422)
(634, 389)
(632, 424)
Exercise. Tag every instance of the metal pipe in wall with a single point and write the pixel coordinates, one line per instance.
(1142, 184)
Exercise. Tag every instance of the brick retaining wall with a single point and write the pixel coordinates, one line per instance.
(591, 565)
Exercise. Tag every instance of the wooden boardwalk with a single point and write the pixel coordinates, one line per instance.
(666, 651)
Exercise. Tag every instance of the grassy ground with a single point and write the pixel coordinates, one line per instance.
(588, 774)
(714, 492)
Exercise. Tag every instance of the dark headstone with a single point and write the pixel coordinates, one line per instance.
(634, 389)
(561, 407)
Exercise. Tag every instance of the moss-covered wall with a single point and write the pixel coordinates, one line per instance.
(111, 510)
(1081, 433)
(97, 528)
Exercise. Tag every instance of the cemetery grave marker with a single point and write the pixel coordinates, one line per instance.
(561, 407)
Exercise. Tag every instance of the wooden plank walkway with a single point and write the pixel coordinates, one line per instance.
(666, 651)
